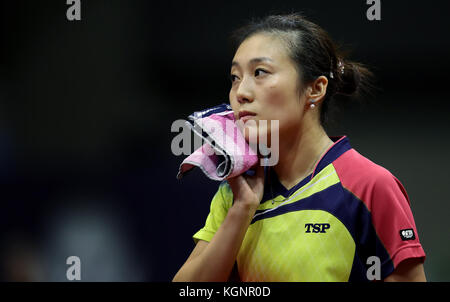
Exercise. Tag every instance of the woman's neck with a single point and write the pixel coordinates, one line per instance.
(300, 153)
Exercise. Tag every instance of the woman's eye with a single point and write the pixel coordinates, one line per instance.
(232, 77)
(260, 71)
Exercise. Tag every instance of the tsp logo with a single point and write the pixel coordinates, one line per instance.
(317, 227)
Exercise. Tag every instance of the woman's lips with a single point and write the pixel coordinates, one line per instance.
(246, 115)
(246, 118)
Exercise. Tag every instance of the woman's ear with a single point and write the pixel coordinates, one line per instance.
(317, 89)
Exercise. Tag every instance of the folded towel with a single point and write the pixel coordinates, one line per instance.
(225, 154)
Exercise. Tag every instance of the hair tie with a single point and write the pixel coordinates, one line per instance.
(340, 66)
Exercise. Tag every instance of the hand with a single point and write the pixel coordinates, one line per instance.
(248, 190)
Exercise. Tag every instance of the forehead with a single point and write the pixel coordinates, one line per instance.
(261, 45)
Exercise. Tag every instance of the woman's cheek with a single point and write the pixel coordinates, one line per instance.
(275, 93)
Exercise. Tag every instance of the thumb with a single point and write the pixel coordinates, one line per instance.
(236, 184)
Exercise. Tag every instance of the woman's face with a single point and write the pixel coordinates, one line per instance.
(266, 83)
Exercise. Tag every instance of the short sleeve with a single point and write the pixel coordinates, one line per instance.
(220, 204)
(394, 222)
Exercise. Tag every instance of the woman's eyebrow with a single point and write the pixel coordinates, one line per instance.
(253, 61)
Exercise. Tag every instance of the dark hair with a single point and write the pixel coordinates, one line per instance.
(314, 53)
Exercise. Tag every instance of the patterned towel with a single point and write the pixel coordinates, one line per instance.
(225, 154)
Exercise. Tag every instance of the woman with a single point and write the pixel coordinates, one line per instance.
(324, 212)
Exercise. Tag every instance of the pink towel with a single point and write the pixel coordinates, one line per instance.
(225, 154)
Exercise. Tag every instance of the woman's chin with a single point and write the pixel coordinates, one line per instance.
(256, 136)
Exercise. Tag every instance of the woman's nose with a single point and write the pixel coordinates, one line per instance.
(244, 93)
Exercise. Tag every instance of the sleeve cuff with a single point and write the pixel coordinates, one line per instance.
(410, 251)
(203, 235)
(405, 252)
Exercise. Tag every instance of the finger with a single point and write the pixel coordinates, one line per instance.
(237, 183)
(256, 182)
(260, 176)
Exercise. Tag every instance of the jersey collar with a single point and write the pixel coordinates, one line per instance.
(340, 146)
(273, 187)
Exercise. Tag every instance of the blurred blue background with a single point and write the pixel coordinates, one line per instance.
(86, 107)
